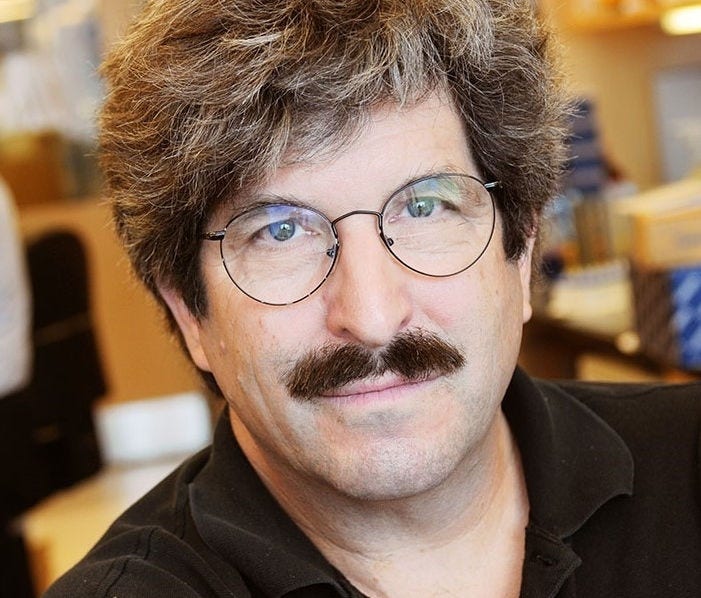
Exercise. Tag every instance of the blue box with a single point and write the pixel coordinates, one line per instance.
(686, 299)
(668, 314)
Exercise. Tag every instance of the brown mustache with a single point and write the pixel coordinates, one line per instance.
(415, 355)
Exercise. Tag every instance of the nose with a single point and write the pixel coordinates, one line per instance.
(367, 296)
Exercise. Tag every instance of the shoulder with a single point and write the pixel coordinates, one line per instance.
(656, 404)
(139, 562)
(647, 543)
(660, 423)
(153, 549)
(148, 561)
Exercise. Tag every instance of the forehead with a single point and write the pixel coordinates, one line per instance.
(392, 147)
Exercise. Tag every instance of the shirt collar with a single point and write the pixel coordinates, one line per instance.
(239, 519)
(573, 463)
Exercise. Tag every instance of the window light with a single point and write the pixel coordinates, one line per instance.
(682, 20)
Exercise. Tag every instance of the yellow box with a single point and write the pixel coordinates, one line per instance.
(660, 228)
(667, 239)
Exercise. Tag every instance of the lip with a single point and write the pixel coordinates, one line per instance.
(376, 390)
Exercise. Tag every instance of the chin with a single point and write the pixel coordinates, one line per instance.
(394, 470)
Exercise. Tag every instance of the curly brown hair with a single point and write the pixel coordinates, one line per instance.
(207, 98)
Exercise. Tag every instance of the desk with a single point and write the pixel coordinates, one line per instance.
(61, 529)
(554, 348)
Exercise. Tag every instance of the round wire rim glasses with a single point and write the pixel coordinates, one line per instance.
(280, 253)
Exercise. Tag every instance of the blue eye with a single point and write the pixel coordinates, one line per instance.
(283, 230)
(420, 207)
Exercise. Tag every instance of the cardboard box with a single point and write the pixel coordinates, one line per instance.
(661, 229)
(668, 239)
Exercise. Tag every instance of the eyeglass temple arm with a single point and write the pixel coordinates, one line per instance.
(492, 185)
(216, 235)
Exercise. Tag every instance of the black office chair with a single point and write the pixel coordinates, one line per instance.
(47, 436)
(67, 374)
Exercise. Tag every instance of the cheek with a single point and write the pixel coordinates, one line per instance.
(473, 294)
(480, 308)
(253, 346)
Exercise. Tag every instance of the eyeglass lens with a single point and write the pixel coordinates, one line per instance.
(437, 226)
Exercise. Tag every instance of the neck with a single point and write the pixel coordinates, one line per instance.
(466, 535)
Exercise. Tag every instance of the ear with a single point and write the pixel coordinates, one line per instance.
(190, 326)
(524, 269)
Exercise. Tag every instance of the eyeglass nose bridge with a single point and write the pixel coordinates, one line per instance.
(378, 215)
(385, 240)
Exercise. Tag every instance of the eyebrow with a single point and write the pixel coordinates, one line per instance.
(255, 199)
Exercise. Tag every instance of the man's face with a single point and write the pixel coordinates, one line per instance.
(384, 436)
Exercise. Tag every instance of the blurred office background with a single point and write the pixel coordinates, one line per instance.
(618, 296)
